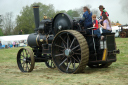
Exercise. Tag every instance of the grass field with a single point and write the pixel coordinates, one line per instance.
(116, 74)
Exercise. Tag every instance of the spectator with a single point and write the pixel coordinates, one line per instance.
(17, 43)
(8, 45)
(0, 45)
(14, 44)
(11, 45)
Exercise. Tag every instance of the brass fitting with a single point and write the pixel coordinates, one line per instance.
(41, 40)
(45, 17)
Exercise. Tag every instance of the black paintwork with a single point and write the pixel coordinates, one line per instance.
(36, 16)
(50, 27)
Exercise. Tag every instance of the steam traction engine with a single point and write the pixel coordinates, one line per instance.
(61, 43)
(123, 33)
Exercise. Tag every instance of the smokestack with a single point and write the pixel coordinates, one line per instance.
(36, 16)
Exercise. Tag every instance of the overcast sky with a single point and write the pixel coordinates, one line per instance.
(112, 6)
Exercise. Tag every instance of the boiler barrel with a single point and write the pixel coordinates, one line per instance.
(36, 40)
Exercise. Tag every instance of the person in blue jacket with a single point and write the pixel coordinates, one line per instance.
(87, 18)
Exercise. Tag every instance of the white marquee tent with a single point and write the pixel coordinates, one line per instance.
(7, 39)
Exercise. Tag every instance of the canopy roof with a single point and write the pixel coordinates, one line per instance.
(14, 37)
(11, 38)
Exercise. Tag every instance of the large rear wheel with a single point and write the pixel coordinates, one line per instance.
(70, 51)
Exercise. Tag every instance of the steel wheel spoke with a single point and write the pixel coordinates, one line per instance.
(67, 42)
(67, 61)
(75, 47)
(29, 63)
(22, 56)
(26, 53)
(62, 40)
(62, 50)
(21, 59)
(68, 65)
(75, 59)
(78, 50)
(69, 38)
(23, 52)
(59, 55)
(59, 46)
(26, 66)
(62, 62)
(74, 64)
(64, 45)
(23, 67)
(78, 58)
(23, 64)
(72, 42)
(63, 58)
(77, 53)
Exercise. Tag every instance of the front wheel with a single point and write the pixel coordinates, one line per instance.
(25, 60)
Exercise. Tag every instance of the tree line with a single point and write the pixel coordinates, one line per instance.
(24, 22)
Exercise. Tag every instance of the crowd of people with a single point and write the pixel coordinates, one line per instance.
(14, 44)
(101, 26)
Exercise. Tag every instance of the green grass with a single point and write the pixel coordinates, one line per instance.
(116, 74)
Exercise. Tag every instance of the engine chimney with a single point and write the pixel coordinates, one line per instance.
(36, 16)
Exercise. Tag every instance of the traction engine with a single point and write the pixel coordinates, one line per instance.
(62, 44)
